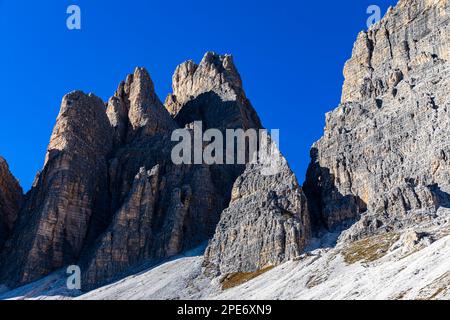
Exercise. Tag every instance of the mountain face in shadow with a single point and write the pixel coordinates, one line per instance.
(110, 198)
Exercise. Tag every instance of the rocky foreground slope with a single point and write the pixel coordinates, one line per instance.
(380, 267)
(111, 200)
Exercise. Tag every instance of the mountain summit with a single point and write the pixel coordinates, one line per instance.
(375, 204)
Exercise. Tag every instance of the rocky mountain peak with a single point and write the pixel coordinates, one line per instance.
(135, 110)
(67, 203)
(215, 73)
(71, 131)
(110, 198)
(211, 92)
(410, 36)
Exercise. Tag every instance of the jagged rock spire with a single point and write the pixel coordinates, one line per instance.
(69, 196)
(136, 110)
(212, 92)
(215, 73)
(109, 196)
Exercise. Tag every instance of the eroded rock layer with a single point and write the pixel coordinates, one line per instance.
(385, 151)
(266, 223)
(110, 196)
(160, 209)
(69, 197)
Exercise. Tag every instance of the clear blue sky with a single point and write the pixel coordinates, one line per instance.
(290, 55)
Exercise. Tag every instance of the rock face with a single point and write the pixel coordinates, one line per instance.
(160, 209)
(267, 223)
(135, 110)
(211, 92)
(69, 197)
(10, 201)
(385, 151)
(110, 197)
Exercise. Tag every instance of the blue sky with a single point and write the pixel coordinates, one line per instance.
(290, 55)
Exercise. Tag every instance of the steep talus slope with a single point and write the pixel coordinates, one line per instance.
(409, 267)
(386, 152)
(10, 201)
(403, 273)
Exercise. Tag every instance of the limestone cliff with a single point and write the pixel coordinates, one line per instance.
(69, 197)
(266, 223)
(110, 198)
(385, 152)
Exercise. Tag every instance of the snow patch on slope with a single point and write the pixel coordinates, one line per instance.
(325, 275)
(421, 272)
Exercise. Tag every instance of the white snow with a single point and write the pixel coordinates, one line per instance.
(170, 280)
(320, 274)
(422, 275)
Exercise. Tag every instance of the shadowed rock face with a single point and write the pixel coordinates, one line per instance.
(109, 196)
(68, 198)
(10, 201)
(214, 73)
(160, 209)
(386, 147)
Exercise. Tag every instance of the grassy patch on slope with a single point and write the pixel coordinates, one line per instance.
(369, 249)
(238, 278)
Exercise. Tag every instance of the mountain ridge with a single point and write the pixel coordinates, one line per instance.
(380, 170)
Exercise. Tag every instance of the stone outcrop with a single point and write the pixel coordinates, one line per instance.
(135, 110)
(385, 150)
(211, 92)
(160, 209)
(178, 206)
(266, 223)
(69, 197)
(214, 73)
(110, 198)
(10, 201)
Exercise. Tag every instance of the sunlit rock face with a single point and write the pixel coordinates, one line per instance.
(385, 152)
(110, 197)
(68, 198)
